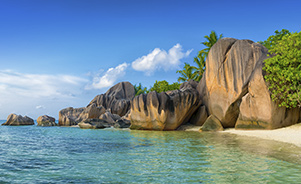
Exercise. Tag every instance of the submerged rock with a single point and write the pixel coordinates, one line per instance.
(18, 120)
(46, 121)
(166, 110)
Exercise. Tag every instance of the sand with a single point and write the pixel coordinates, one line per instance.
(291, 134)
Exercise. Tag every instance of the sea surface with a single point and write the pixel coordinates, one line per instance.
(31, 154)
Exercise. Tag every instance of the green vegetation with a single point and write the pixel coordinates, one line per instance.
(139, 89)
(274, 39)
(159, 86)
(188, 73)
(196, 73)
(283, 70)
(163, 86)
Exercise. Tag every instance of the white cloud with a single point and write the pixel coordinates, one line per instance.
(37, 85)
(160, 59)
(109, 77)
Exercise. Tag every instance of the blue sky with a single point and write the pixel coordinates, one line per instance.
(60, 53)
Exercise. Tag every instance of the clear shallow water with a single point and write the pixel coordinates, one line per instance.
(31, 154)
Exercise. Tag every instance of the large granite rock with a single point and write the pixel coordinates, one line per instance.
(234, 91)
(18, 120)
(258, 111)
(166, 110)
(117, 99)
(46, 121)
(72, 116)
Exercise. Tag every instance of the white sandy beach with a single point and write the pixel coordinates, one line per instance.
(291, 134)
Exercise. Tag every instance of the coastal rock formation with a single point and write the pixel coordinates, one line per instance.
(234, 91)
(165, 110)
(258, 111)
(117, 99)
(72, 116)
(69, 116)
(199, 117)
(93, 124)
(212, 124)
(18, 120)
(46, 121)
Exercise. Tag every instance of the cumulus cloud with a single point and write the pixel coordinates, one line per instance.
(108, 78)
(38, 85)
(160, 59)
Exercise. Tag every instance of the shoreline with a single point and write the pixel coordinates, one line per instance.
(291, 134)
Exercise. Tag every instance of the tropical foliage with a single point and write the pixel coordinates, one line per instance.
(139, 89)
(163, 86)
(187, 73)
(283, 71)
(159, 86)
(274, 39)
(196, 72)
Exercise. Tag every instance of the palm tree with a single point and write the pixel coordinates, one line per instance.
(139, 89)
(187, 73)
(200, 68)
(211, 40)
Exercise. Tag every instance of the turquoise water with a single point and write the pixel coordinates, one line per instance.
(31, 154)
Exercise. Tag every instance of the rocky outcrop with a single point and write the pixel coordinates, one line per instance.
(234, 91)
(18, 120)
(166, 110)
(117, 99)
(70, 116)
(46, 121)
(258, 111)
(93, 124)
(212, 124)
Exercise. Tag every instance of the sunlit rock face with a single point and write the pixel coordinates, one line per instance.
(234, 91)
(18, 120)
(165, 110)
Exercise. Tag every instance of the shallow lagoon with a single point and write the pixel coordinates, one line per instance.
(31, 154)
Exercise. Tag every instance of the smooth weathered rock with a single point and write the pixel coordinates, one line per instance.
(258, 111)
(93, 124)
(46, 121)
(229, 66)
(117, 99)
(110, 118)
(18, 120)
(199, 117)
(212, 124)
(164, 111)
(233, 87)
(69, 116)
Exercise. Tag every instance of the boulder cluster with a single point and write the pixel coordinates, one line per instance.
(231, 94)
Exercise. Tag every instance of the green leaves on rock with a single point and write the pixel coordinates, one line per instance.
(283, 70)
